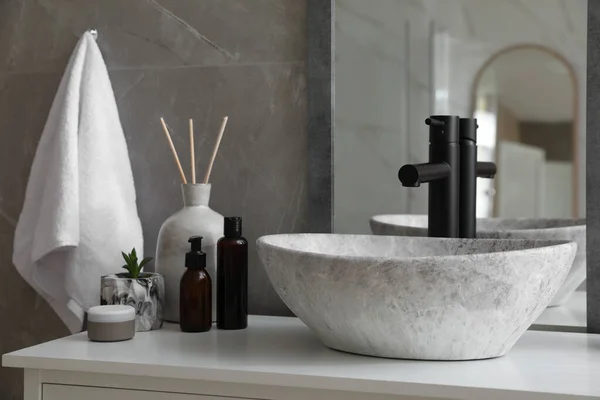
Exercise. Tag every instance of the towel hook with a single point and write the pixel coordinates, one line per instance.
(94, 33)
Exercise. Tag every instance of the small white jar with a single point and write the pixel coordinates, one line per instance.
(111, 323)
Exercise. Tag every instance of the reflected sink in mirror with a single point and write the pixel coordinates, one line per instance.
(416, 297)
(570, 229)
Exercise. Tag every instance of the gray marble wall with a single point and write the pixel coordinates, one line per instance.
(593, 167)
(173, 58)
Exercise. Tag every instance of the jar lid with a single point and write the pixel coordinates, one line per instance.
(107, 314)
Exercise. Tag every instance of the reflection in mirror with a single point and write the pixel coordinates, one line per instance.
(399, 61)
(518, 66)
(525, 100)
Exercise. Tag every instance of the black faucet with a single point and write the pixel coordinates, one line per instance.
(442, 173)
(452, 173)
(470, 170)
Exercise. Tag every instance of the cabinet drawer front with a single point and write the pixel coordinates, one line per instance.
(66, 392)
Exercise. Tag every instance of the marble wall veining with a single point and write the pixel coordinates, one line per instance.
(178, 59)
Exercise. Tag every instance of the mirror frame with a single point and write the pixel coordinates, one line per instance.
(320, 113)
(575, 93)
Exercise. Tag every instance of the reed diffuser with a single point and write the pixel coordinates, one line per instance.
(196, 218)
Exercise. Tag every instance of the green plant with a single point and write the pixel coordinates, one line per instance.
(132, 266)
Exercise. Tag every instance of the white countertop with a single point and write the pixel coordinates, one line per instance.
(284, 352)
(572, 314)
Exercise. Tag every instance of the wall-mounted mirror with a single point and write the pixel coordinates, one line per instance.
(525, 98)
(519, 67)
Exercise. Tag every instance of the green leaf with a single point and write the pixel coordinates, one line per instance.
(145, 261)
(129, 274)
(132, 265)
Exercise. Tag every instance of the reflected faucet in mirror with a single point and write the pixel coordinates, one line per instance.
(452, 173)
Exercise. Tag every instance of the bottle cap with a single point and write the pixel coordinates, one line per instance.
(195, 258)
(233, 227)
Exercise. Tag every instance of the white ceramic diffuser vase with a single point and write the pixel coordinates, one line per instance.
(194, 219)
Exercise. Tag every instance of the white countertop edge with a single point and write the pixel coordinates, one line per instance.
(286, 380)
(278, 351)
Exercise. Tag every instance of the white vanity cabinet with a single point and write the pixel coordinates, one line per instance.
(281, 359)
(62, 392)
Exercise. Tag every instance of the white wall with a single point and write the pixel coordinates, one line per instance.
(521, 179)
(381, 95)
(558, 193)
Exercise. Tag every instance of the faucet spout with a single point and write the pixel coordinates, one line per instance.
(452, 173)
(442, 174)
(412, 175)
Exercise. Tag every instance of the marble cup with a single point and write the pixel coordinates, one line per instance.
(196, 218)
(146, 294)
(571, 229)
(416, 297)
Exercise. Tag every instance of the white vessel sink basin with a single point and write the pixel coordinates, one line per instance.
(416, 298)
(570, 229)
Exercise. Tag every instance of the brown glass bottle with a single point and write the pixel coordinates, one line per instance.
(232, 277)
(195, 291)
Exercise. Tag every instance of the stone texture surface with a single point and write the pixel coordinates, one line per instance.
(321, 94)
(593, 167)
(145, 294)
(571, 229)
(178, 59)
(416, 298)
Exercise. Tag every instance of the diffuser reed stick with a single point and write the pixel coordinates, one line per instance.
(192, 151)
(216, 149)
(164, 126)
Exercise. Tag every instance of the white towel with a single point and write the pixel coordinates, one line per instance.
(80, 207)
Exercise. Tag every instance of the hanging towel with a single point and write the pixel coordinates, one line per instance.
(80, 207)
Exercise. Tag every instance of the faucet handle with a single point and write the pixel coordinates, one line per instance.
(434, 122)
(486, 169)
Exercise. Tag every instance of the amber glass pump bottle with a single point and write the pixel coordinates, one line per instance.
(232, 277)
(195, 291)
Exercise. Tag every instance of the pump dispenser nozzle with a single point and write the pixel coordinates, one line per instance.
(195, 258)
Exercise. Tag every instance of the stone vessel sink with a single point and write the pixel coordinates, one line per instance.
(416, 298)
(570, 229)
